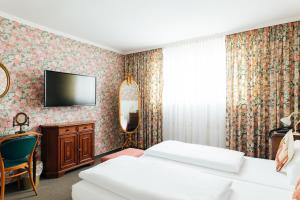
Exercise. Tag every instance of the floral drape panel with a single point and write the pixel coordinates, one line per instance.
(146, 69)
(262, 85)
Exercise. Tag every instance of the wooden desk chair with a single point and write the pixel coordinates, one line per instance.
(16, 154)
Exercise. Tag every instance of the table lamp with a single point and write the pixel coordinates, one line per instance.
(287, 120)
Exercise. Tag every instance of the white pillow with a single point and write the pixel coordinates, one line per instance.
(200, 155)
(293, 167)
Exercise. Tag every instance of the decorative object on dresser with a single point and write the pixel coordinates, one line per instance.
(67, 146)
(5, 80)
(21, 119)
(129, 110)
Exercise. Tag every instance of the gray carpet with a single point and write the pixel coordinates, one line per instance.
(52, 189)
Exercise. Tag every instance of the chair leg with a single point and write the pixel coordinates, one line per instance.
(19, 183)
(2, 185)
(31, 179)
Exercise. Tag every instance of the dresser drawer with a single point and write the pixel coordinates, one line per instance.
(86, 127)
(67, 130)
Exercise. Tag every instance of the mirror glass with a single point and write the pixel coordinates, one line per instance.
(21, 118)
(129, 106)
(4, 80)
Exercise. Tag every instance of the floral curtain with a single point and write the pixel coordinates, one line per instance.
(262, 85)
(146, 69)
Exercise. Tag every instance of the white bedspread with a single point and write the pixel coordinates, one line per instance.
(136, 179)
(201, 155)
(240, 191)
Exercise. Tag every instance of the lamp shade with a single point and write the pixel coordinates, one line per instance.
(286, 121)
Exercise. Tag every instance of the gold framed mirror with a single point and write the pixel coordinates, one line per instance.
(4, 80)
(129, 105)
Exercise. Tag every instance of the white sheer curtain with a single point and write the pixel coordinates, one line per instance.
(194, 94)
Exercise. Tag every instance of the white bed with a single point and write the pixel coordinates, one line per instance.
(253, 170)
(240, 191)
(145, 179)
(86, 191)
(256, 179)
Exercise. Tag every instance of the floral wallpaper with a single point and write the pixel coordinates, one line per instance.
(27, 52)
(262, 85)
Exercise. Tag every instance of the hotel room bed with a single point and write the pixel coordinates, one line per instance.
(253, 170)
(247, 185)
(84, 190)
(256, 179)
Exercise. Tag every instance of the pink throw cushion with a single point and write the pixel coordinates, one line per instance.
(128, 152)
(296, 195)
(285, 151)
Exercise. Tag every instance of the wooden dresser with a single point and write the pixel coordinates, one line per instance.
(66, 147)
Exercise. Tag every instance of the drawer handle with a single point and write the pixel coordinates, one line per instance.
(67, 130)
(85, 127)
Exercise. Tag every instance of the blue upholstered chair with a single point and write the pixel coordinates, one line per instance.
(16, 154)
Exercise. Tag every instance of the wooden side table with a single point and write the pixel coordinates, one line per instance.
(276, 138)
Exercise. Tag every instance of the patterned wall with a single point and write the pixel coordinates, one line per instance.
(27, 52)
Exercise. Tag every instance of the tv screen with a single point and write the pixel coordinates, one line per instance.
(64, 89)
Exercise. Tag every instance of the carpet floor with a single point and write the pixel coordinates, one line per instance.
(52, 189)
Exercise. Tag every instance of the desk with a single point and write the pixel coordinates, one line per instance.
(34, 160)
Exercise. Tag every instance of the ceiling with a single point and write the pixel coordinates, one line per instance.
(128, 26)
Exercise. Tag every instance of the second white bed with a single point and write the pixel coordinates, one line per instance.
(253, 170)
(208, 159)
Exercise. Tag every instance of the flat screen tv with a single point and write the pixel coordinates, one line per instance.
(65, 89)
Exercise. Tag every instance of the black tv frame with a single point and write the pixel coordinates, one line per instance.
(69, 74)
